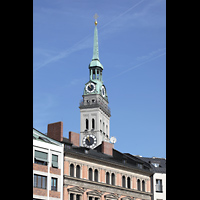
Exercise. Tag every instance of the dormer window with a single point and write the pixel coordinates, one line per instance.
(155, 164)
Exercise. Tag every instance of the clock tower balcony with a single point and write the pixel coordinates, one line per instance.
(87, 104)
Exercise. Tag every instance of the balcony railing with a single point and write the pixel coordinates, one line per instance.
(100, 105)
(159, 188)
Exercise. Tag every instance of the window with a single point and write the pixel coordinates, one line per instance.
(93, 123)
(123, 181)
(138, 184)
(71, 170)
(107, 177)
(41, 157)
(159, 185)
(54, 161)
(155, 164)
(96, 175)
(139, 165)
(98, 74)
(90, 174)
(128, 182)
(113, 179)
(87, 124)
(40, 181)
(78, 171)
(54, 184)
(71, 196)
(93, 74)
(78, 197)
(143, 186)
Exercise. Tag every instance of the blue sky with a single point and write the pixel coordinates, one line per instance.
(132, 50)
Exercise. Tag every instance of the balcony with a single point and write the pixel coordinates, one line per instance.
(95, 104)
(159, 188)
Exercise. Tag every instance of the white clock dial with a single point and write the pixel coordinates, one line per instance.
(103, 91)
(90, 87)
(89, 141)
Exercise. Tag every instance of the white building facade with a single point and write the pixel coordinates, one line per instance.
(47, 167)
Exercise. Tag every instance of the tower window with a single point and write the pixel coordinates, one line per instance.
(87, 124)
(93, 123)
(98, 74)
(93, 74)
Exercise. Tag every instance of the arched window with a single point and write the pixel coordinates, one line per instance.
(90, 174)
(138, 184)
(87, 124)
(96, 175)
(72, 170)
(93, 123)
(123, 181)
(128, 182)
(78, 171)
(113, 179)
(107, 177)
(143, 186)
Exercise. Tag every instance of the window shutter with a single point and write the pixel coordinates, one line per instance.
(42, 156)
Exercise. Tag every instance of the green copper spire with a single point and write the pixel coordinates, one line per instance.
(95, 59)
(95, 84)
(96, 47)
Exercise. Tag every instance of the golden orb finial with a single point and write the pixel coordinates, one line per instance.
(95, 17)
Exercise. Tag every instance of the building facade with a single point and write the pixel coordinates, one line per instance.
(47, 167)
(159, 177)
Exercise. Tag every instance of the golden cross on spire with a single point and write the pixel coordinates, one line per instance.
(95, 17)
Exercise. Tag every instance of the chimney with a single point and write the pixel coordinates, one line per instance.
(55, 131)
(74, 138)
(107, 148)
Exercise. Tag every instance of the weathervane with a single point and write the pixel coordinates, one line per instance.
(95, 17)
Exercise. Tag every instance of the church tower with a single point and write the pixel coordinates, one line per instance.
(94, 111)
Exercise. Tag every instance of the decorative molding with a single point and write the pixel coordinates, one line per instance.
(76, 189)
(95, 193)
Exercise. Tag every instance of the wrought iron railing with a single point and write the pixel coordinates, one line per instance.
(100, 105)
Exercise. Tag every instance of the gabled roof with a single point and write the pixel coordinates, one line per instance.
(37, 135)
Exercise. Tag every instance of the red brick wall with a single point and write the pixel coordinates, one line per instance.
(107, 148)
(55, 131)
(55, 171)
(39, 191)
(38, 167)
(74, 138)
(54, 194)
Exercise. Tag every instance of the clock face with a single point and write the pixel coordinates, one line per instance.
(89, 141)
(90, 87)
(103, 91)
